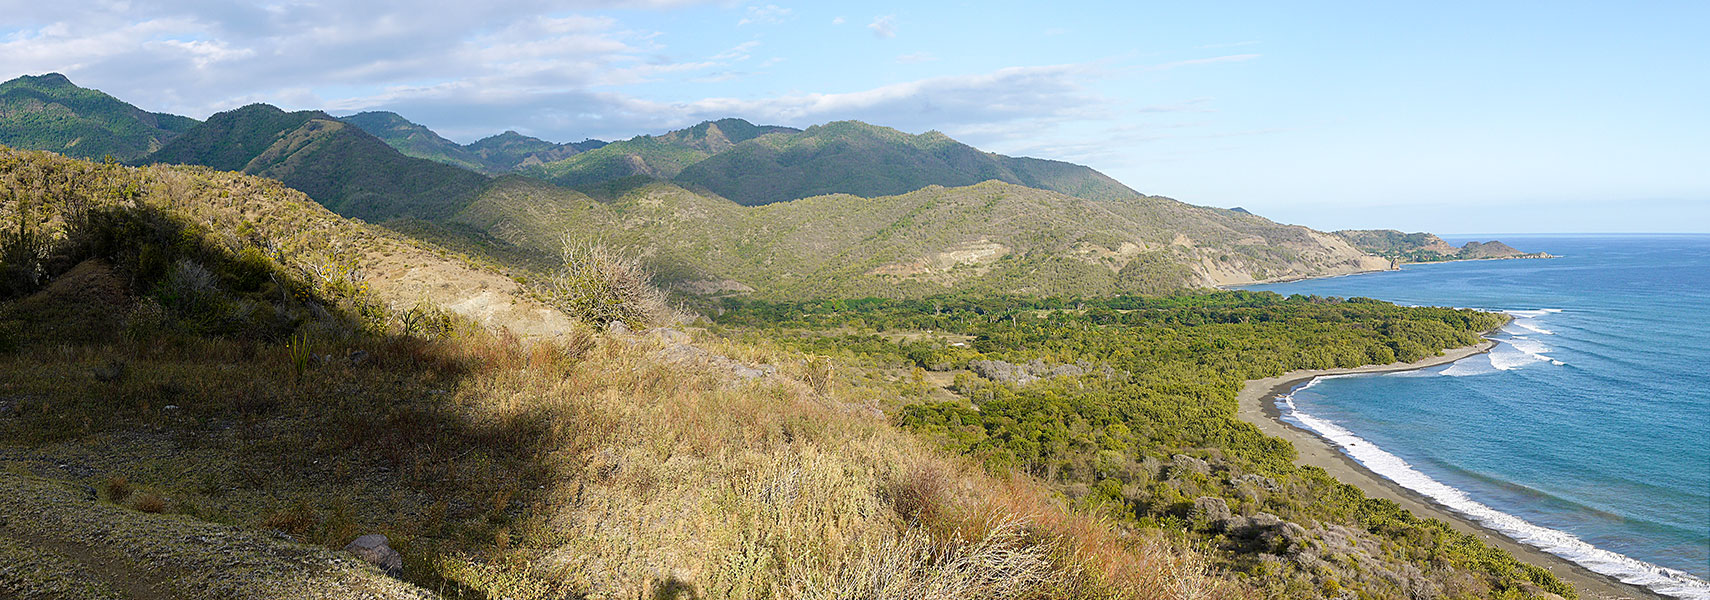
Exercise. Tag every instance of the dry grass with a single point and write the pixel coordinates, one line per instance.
(150, 503)
(670, 479)
(588, 467)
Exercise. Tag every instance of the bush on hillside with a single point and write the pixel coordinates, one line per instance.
(599, 286)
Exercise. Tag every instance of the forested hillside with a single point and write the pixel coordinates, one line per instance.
(340, 166)
(855, 158)
(48, 112)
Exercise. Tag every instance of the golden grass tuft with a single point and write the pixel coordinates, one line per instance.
(150, 503)
(118, 488)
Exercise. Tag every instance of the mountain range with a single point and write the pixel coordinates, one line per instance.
(727, 206)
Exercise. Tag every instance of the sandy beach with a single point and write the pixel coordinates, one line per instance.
(1257, 407)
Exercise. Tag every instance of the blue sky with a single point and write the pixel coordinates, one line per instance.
(1447, 117)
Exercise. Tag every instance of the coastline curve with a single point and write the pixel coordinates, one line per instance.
(1256, 404)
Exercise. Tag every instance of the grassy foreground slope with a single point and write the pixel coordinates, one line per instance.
(48, 112)
(244, 361)
(989, 237)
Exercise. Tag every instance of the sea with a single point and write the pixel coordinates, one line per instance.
(1585, 432)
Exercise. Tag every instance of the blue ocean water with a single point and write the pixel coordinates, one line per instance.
(1585, 432)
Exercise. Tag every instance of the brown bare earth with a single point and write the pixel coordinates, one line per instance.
(1257, 407)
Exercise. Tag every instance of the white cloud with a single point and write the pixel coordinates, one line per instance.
(471, 69)
(740, 52)
(839, 21)
(196, 56)
(770, 14)
(884, 26)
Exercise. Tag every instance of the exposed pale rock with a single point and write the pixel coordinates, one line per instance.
(376, 550)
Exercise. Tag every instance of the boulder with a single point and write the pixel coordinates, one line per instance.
(1182, 463)
(668, 335)
(1260, 481)
(375, 549)
(1209, 509)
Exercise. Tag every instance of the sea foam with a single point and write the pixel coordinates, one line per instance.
(1662, 580)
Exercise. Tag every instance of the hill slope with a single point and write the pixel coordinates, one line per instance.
(851, 157)
(494, 154)
(498, 467)
(414, 140)
(656, 157)
(992, 237)
(339, 165)
(510, 150)
(48, 112)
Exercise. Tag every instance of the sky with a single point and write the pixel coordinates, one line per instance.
(1451, 117)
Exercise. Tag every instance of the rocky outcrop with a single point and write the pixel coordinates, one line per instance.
(377, 550)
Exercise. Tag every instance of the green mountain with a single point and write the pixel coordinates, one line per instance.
(48, 112)
(415, 140)
(851, 157)
(510, 150)
(992, 236)
(495, 154)
(656, 157)
(337, 164)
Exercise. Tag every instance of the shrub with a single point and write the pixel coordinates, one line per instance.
(150, 503)
(599, 286)
(297, 353)
(118, 488)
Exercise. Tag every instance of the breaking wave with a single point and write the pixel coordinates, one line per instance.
(1662, 580)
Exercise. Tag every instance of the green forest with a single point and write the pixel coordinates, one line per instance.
(1128, 408)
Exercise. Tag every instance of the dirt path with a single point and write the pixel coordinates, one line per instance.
(1257, 406)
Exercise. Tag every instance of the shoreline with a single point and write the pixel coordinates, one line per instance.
(1294, 278)
(1256, 404)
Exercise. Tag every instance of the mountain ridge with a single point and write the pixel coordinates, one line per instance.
(854, 208)
(339, 165)
(49, 112)
(867, 160)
